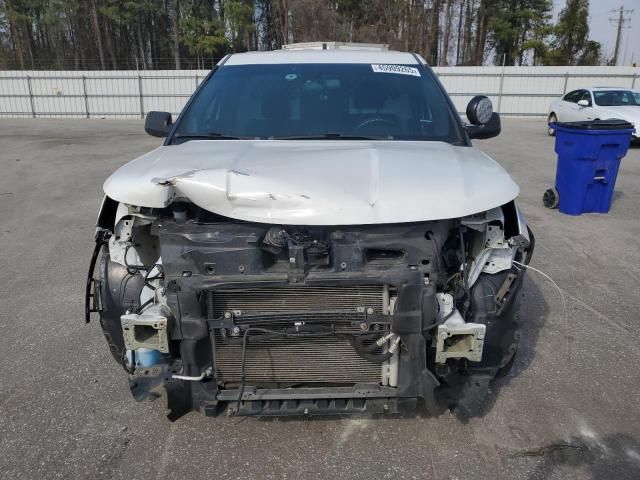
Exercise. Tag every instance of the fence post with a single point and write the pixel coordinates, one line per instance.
(633, 82)
(86, 97)
(500, 91)
(566, 79)
(33, 107)
(501, 83)
(196, 80)
(141, 97)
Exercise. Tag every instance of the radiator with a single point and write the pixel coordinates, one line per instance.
(296, 360)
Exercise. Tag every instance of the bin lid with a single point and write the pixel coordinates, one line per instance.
(611, 124)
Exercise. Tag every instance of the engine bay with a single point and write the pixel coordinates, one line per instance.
(260, 319)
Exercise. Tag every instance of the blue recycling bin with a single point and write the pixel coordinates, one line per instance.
(589, 155)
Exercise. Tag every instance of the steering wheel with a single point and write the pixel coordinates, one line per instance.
(374, 121)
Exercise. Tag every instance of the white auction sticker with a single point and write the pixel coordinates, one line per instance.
(400, 69)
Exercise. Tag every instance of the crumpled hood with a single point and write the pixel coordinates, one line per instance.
(323, 182)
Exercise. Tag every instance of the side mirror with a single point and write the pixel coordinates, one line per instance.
(583, 103)
(485, 123)
(479, 110)
(158, 124)
(488, 130)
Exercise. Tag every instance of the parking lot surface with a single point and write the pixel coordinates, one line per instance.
(570, 408)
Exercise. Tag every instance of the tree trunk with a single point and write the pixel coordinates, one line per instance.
(76, 53)
(459, 43)
(110, 49)
(284, 21)
(435, 31)
(149, 48)
(406, 20)
(96, 29)
(142, 54)
(174, 17)
(29, 43)
(481, 33)
(520, 51)
(17, 44)
(468, 21)
(447, 34)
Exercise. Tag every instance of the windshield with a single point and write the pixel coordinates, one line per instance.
(299, 101)
(616, 98)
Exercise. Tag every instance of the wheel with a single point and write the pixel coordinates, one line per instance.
(551, 198)
(552, 119)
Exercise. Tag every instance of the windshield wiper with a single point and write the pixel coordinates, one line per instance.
(327, 136)
(331, 136)
(205, 136)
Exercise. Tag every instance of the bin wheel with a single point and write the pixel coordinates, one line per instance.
(552, 119)
(551, 198)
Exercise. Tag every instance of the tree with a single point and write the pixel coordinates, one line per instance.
(202, 30)
(311, 20)
(571, 45)
(239, 17)
(514, 25)
(482, 27)
(591, 54)
(184, 33)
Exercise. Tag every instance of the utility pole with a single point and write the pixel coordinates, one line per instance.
(624, 17)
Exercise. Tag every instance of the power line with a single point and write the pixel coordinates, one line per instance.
(624, 21)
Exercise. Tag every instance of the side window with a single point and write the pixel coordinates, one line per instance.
(573, 96)
(586, 96)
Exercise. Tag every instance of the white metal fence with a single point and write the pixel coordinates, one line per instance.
(520, 91)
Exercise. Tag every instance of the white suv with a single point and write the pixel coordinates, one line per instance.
(316, 235)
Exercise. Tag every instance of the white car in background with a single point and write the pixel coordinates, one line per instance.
(598, 103)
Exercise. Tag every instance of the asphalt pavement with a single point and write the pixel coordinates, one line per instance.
(569, 409)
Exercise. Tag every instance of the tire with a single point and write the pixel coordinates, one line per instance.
(551, 198)
(552, 119)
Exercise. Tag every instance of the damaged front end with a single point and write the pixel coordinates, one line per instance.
(258, 319)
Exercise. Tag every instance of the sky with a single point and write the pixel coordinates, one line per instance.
(604, 31)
